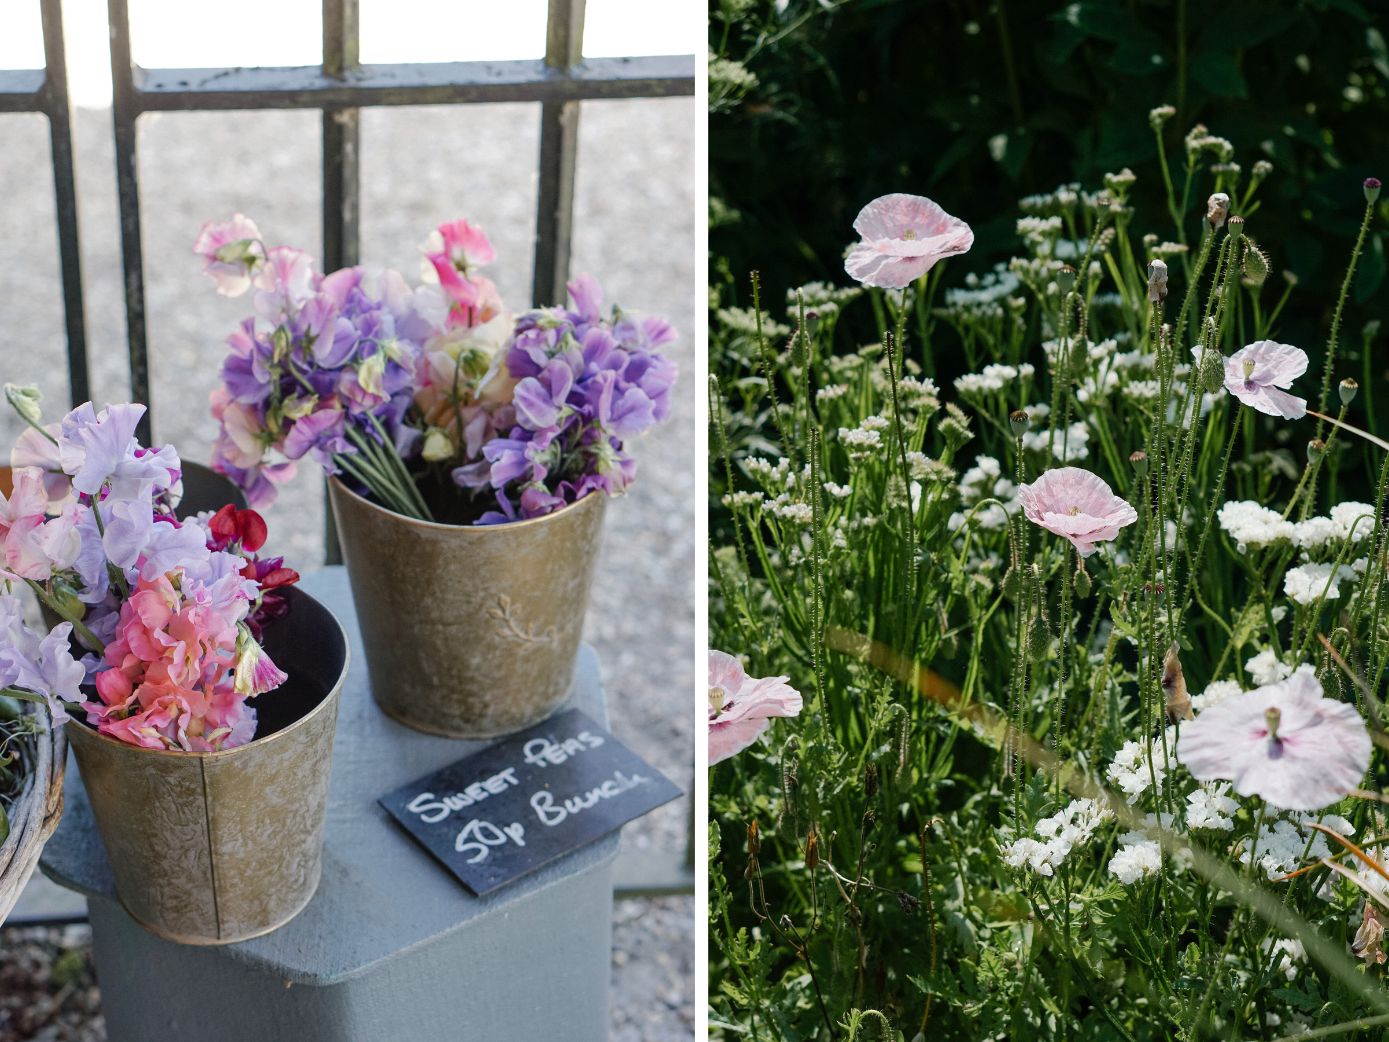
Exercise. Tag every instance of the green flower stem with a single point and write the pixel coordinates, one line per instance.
(78, 626)
(1325, 397)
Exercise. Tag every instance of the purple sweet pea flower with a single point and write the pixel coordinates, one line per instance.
(171, 545)
(92, 446)
(541, 401)
(319, 433)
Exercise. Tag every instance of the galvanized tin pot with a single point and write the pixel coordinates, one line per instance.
(470, 631)
(212, 848)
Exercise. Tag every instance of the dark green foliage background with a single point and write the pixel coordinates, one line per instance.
(872, 96)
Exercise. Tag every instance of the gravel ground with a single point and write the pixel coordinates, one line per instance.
(420, 166)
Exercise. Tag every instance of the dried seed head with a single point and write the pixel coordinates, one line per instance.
(1157, 280)
(1139, 460)
(1372, 187)
(870, 779)
(1217, 209)
(812, 850)
(1174, 686)
(1019, 422)
(1348, 390)
(754, 839)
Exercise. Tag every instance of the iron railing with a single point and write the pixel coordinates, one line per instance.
(340, 88)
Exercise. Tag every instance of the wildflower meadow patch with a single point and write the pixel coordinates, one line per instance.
(1073, 719)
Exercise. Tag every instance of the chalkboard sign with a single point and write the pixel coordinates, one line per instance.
(507, 810)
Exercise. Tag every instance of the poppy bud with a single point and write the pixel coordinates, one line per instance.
(1217, 209)
(1082, 582)
(1157, 280)
(1316, 448)
(1139, 460)
(1213, 371)
(1348, 390)
(1372, 187)
(1019, 422)
(1066, 278)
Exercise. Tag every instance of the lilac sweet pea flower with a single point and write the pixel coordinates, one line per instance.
(171, 545)
(44, 665)
(1258, 375)
(91, 447)
(231, 250)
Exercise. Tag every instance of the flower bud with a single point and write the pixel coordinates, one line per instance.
(1139, 460)
(1082, 582)
(754, 839)
(1217, 209)
(1019, 423)
(1066, 278)
(25, 401)
(812, 850)
(1212, 371)
(1348, 390)
(437, 445)
(1372, 186)
(63, 600)
(1236, 229)
(1157, 280)
(1316, 449)
(870, 779)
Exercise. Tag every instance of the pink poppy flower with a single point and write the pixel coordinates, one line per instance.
(1255, 373)
(1283, 741)
(741, 707)
(903, 237)
(1076, 505)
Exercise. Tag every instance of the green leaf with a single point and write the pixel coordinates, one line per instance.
(4, 825)
(1217, 72)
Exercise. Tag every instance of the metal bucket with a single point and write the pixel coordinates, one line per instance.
(212, 848)
(470, 631)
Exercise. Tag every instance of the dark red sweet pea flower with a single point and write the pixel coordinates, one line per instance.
(230, 525)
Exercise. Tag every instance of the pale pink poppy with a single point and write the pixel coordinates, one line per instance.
(1255, 374)
(903, 237)
(741, 707)
(1284, 741)
(1076, 505)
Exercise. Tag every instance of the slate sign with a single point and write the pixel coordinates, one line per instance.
(528, 800)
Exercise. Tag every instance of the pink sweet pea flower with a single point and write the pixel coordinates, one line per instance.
(1283, 741)
(903, 238)
(1255, 373)
(231, 250)
(741, 707)
(1076, 505)
(284, 283)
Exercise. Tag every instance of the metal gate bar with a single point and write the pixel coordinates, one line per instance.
(46, 91)
(340, 87)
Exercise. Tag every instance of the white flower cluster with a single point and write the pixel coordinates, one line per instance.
(744, 320)
(1139, 764)
(1067, 445)
(1267, 668)
(985, 480)
(992, 378)
(818, 294)
(1034, 230)
(1060, 834)
(1252, 526)
(1137, 858)
(1285, 845)
(830, 392)
(1290, 954)
(1348, 520)
(1209, 806)
(772, 475)
(1308, 583)
(1216, 691)
(862, 442)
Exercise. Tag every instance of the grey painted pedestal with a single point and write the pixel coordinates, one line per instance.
(391, 947)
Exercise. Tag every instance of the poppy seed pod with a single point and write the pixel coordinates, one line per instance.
(1139, 460)
(1348, 390)
(1316, 449)
(1066, 278)
(1236, 230)
(1372, 186)
(1019, 423)
(1217, 209)
(1157, 280)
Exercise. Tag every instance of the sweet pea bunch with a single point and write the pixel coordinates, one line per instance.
(159, 617)
(1083, 571)
(433, 399)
